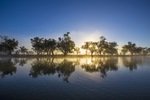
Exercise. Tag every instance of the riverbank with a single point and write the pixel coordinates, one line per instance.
(68, 56)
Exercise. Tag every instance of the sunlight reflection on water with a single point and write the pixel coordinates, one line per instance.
(75, 78)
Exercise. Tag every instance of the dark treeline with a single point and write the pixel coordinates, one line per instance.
(65, 45)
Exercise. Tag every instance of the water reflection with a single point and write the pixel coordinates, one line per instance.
(64, 67)
(20, 61)
(7, 67)
(131, 62)
(48, 67)
(41, 67)
(102, 65)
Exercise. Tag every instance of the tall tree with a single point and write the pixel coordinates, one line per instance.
(111, 48)
(124, 49)
(145, 51)
(92, 47)
(8, 45)
(38, 45)
(86, 46)
(50, 46)
(77, 50)
(101, 45)
(65, 44)
(131, 47)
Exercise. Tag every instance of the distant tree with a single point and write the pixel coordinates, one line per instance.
(148, 49)
(65, 44)
(17, 52)
(38, 45)
(30, 52)
(138, 50)
(110, 48)
(8, 45)
(131, 47)
(77, 50)
(50, 46)
(23, 50)
(124, 49)
(102, 44)
(92, 47)
(86, 46)
(145, 51)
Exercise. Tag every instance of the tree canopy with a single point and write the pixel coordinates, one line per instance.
(8, 45)
(65, 44)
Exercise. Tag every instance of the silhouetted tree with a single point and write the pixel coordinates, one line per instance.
(77, 50)
(145, 50)
(8, 45)
(138, 50)
(110, 48)
(23, 50)
(50, 46)
(101, 45)
(86, 46)
(38, 45)
(92, 47)
(131, 47)
(65, 44)
(124, 49)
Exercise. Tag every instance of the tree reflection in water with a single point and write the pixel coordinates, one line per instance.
(48, 67)
(7, 67)
(131, 62)
(65, 67)
(42, 67)
(102, 65)
(20, 61)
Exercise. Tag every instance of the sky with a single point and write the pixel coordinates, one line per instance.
(86, 20)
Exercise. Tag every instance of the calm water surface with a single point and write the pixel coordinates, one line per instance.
(117, 78)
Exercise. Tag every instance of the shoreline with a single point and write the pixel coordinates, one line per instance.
(67, 56)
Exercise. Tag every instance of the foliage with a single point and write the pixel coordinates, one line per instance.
(86, 46)
(41, 45)
(50, 46)
(23, 50)
(38, 45)
(65, 44)
(77, 50)
(110, 48)
(8, 45)
(102, 45)
(133, 49)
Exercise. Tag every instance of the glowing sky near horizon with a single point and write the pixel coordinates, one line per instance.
(87, 20)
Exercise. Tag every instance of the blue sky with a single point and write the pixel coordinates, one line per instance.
(117, 20)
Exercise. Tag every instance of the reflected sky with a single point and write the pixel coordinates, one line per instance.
(75, 78)
(67, 66)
